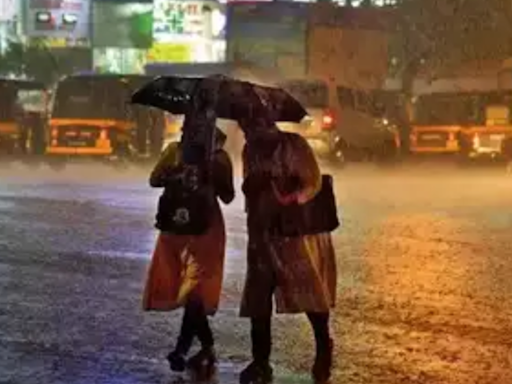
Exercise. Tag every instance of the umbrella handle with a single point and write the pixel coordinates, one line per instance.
(209, 120)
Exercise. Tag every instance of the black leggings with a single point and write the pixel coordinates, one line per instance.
(261, 334)
(194, 323)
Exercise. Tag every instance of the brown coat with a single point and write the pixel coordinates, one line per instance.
(301, 271)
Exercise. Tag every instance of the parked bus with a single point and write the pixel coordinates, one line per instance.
(91, 116)
(23, 109)
(438, 120)
(473, 124)
(485, 140)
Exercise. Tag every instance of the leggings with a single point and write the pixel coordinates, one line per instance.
(261, 335)
(194, 323)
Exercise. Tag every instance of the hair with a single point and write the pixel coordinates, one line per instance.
(257, 122)
(220, 137)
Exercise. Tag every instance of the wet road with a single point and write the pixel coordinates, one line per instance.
(425, 271)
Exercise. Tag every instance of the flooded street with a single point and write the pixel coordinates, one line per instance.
(424, 266)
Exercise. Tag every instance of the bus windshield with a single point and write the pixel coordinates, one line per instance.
(93, 98)
(448, 109)
(20, 96)
(32, 100)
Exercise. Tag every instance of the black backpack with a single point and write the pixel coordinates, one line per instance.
(186, 205)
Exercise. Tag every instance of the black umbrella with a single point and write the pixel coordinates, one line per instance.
(236, 99)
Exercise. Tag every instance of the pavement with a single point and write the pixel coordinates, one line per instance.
(424, 295)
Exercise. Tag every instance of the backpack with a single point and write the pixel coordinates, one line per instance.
(187, 204)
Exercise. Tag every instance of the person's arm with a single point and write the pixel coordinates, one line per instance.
(309, 173)
(285, 199)
(167, 161)
(223, 177)
(302, 164)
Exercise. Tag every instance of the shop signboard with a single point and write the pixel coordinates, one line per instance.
(170, 53)
(122, 24)
(187, 19)
(68, 19)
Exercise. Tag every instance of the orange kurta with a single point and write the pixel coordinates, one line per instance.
(182, 266)
(185, 265)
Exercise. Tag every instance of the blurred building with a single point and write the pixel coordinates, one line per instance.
(348, 45)
(125, 35)
(117, 35)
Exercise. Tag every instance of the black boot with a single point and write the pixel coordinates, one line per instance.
(257, 373)
(322, 367)
(176, 361)
(177, 358)
(203, 363)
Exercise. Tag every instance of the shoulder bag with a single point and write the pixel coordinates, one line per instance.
(318, 215)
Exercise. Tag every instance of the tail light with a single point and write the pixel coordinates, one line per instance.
(327, 120)
(103, 134)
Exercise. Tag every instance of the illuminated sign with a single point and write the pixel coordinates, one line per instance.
(186, 19)
(57, 18)
(171, 53)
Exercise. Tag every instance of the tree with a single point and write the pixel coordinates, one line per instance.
(437, 36)
(34, 61)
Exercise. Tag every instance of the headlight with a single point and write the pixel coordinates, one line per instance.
(476, 141)
(382, 121)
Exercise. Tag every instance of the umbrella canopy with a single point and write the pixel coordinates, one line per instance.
(236, 99)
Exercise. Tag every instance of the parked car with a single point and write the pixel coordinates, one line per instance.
(343, 124)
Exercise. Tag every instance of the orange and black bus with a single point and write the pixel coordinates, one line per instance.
(91, 116)
(438, 120)
(485, 140)
(471, 123)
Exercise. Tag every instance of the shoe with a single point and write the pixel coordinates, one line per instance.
(257, 373)
(176, 361)
(322, 367)
(203, 362)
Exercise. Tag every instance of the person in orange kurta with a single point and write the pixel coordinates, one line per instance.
(187, 271)
(298, 273)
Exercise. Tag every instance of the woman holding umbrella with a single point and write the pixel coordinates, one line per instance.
(187, 270)
(300, 272)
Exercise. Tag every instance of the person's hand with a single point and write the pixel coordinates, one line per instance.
(302, 198)
(284, 199)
